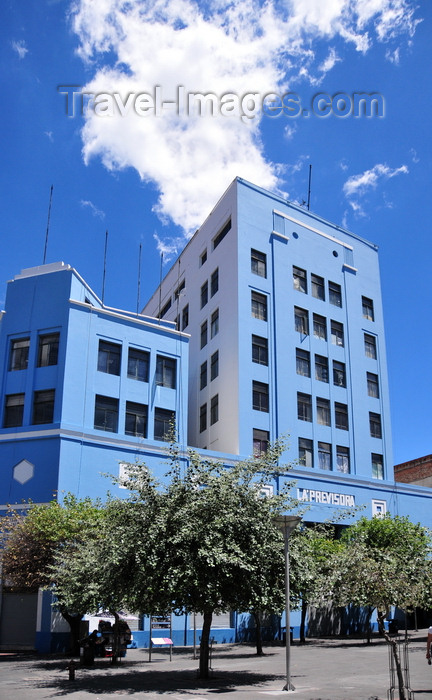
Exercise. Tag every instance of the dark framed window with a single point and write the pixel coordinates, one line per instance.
(138, 364)
(166, 308)
(259, 350)
(320, 327)
(166, 371)
(375, 425)
(368, 309)
(341, 416)
(203, 334)
(214, 323)
(43, 407)
(317, 284)
(372, 385)
(301, 321)
(260, 396)
(106, 413)
(203, 418)
(258, 263)
(303, 362)
(370, 346)
(261, 439)
(203, 257)
(337, 333)
(335, 294)
(136, 419)
(214, 282)
(299, 279)
(323, 411)
(164, 424)
(222, 233)
(109, 357)
(339, 373)
(324, 456)
(343, 459)
(259, 306)
(19, 352)
(214, 409)
(377, 466)
(305, 449)
(214, 365)
(321, 368)
(185, 317)
(204, 294)
(14, 411)
(179, 289)
(203, 375)
(304, 407)
(48, 349)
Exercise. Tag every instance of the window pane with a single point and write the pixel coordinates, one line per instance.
(318, 287)
(321, 368)
(259, 350)
(203, 375)
(106, 414)
(185, 317)
(375, 425)
(261, 440)
(377, 466)
(203, 417)
(214, 283)
(214, 365)
(320, 327)
(305, 452)
(136, 419)
(260, 396)
(341, 416)
(324, 456)
(335, 294)
(299, 279)
(109, 357)
(14, 411)
(337, 333)
(372, 385)
(304, 407)
(303, 362)
(259, 306)
(164, 424)
(48, 349)
(214, 325)
(368, 309)
(323, 411)
(339, 373)
(203, 334)
(370, 346)
(43, 407)
(138, 365)
(19, 352)
(342, 459)
(204, 294)
(214, 409)
(258, 263)
(166, 371)
(301, 320)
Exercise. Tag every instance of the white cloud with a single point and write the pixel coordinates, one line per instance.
(85, 203)
(20, 48)
(357, 186)
(221, 47)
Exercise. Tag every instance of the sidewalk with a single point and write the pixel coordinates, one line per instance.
(329, 669)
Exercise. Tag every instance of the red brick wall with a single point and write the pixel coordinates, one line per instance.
(414, 470)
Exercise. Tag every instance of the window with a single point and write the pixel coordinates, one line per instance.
(259, 306)
(319, 327)
(203, 375)
(106, 414)
(337, 333)
(166, 371)
(109, 357)
(303, 362)
(318, 287)
(299, 279)
(323, 411)
(179, 289)
(14, 411)
(368, 309)
(164, 424)
(324, 456)
(204, 294)
(138, 365)
(375, 425)
(260, 396)
(370, 346)
(48, 349)
(43, 407)
(321, 368)
(342, 459)
(341, 416)
(203, 418)
(304, 407)
(214, 282)
(261, 439)
(335, 294)
(258, 263)
(305, 448)
(203, 334)
(19, 352)
(214, 409)
(377, 466)
(214, 323)
(165, 309)
(214, 365)
(185, 317)
(339, 374)
(203, 257)
(301, 320)
(222, 233)
(372, 385)
(136, 419)
(259, 350)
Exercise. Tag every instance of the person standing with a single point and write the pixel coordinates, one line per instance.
(428, 645)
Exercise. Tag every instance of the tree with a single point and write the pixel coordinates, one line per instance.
(386, 561)
(32, 535)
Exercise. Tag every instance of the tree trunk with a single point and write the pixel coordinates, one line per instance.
(74, 622)
(204, 645)
(258, 638)
(303, 622)
(116, 642)
(395, 653)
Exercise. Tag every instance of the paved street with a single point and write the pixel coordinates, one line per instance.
(330, 669)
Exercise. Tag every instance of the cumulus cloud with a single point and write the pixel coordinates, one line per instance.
(20, 48)
(357, 186)
(249, 46)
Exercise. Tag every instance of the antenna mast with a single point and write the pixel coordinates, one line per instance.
(139, 279)
(48, 224)
(160, 286)
(104, 267)
(309, 187)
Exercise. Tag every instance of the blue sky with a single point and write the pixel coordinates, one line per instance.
(150, 180)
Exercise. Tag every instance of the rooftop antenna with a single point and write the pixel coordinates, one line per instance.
(48, 224)
(160, 286)
(309, 187)
(139, 278)
(104, 267)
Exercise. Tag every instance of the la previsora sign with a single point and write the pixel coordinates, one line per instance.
(327, 497)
